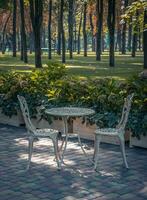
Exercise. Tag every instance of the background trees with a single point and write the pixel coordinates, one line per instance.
(49, 30)
(84, 29)
(36, 15)
(138, 12)
(99, 10)
(70, 25)
(23, 33)
(145, 39)
(111, 29)
(14, 27)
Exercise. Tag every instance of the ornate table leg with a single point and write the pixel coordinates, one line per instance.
(80, 143)
(66, 137)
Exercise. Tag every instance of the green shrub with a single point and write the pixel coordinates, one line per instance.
(138, 117)
(34, 86)
(51, 87)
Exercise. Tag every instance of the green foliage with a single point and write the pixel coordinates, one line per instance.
(34, 86)
(138, 117)
(139, 6)
(51, 87)
(4, 4)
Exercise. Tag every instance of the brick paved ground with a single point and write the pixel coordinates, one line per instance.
(77, 180)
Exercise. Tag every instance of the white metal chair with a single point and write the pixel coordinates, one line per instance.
(37, 133)
(118, 132)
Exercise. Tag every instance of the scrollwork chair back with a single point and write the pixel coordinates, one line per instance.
(125, 112)
(26, 115)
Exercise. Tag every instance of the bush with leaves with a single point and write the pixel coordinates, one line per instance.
(138, 117)
(51, 87)
(34, 86)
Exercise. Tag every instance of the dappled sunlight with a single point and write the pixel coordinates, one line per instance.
(77, 178)
(81, 66)
(43, 152)
(141, 64)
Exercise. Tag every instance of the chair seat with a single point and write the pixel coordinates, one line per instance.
(45, 132)
(108, 131)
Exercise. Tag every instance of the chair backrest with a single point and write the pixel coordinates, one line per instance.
(25, 112)
(125, 112)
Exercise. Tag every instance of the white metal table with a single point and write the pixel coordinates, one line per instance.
(66, 113)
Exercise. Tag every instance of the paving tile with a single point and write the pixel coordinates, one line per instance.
(77, 179)
(128, 196)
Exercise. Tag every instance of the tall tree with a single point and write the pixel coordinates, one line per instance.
(36, 9)
(14, 27)
(62, 31)
(23, 33)
(59, 31)
(4, 33)
(124, 31)
(111, 28)
(129, 37)
(75, 35)
(31, 41)
(70, 28)
(134, 40)
(49, 30)
(79, 33)
(99, 10)
(84, 29)
(118, 44)
(145, 39)
(137, 14)
(92, 31)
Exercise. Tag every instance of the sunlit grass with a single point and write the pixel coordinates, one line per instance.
(81, 66)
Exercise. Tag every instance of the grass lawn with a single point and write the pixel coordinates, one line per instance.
(80, 66)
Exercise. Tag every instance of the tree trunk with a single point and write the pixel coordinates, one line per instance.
(79, 33)
(43, 44)
(49, 31)
(145, 40)
(14, 27)
(130, 37)
(139, 40)
(8, 39)
(18, 41)
(62, 31)
(103, 43)
(36, 11)
(111, 28)
(134, 40)
(84, 29)
(75, 35)
(3, 34)
(118, 40)
(31, 35)
(23, 33)
(92, 31)
(99, 8)
(70, 28)
(21, 47)
(124, 32)
(134, 44)
(59, 32)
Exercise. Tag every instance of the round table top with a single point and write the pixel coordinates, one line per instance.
(69, 111)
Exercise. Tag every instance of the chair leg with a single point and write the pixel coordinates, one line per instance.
(122, 145)
(96, 151)
(31, 140)
(56, 153)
